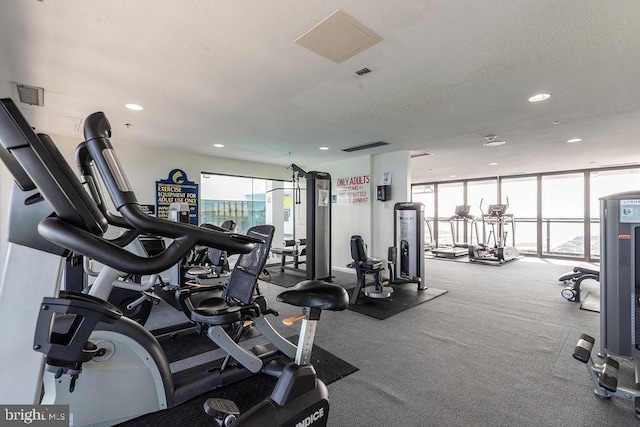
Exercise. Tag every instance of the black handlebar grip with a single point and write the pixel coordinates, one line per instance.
(96, 133)
(87, 169)
(82, 242)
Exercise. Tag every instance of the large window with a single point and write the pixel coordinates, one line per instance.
(521, 193)
(604, 183)
(479, 192)
(563, 214)
(562, 229)
(449, 196)
(233, 198)
(425, 194)
(247, 201)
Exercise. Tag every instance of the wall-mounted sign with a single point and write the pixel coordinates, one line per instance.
(352, 190)
(148, 209)
(177, 189)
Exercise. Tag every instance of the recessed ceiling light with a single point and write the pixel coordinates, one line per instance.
(218, 145)
(324, 148)
(540, 97)
(556, 122)
(452, 176)
(493, 163)
(574, 140)
(134, 107)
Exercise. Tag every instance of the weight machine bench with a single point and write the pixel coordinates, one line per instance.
(367, 266)
(294, 249)
(575, 278)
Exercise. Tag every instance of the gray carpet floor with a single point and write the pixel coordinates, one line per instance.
(494, 351)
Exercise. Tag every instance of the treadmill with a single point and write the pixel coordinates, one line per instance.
(459, 248)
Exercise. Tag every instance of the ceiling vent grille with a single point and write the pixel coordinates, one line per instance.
(420, 154)
(365, 146)
(31, 95)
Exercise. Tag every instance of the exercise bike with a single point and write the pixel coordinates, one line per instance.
(91, 349)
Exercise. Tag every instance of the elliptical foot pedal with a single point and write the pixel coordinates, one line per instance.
(609, 375)
(224, 411)
(582, 352)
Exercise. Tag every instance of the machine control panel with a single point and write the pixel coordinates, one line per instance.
(630, 210)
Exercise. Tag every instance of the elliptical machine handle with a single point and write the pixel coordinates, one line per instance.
(97, 130)
(87, 170)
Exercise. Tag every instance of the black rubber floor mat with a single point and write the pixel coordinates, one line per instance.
(291, 277)
(403, 298)
(245, 394)
(189, 343)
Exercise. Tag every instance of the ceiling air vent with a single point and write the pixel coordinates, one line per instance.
(415, 154)
(365, 146)
(31, 95)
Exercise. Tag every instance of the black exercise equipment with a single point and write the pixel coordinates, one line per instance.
(318, 208)
(51, 215)
(460, 224)
(574, 279)
(364, 266)
(90, 349)
(299, 398)
(494, 248)
(294, 248)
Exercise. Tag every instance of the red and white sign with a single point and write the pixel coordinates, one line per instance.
(352, 190)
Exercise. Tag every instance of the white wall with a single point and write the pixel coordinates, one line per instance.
(374, 220)
(144, 167)
(347, 220)
(398, 163)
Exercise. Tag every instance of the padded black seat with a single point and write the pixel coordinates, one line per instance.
(360, 258)
(365, 265)
(222, 313)
(316, 294)
(237, 300)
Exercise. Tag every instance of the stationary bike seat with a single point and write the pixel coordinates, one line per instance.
(316, 294)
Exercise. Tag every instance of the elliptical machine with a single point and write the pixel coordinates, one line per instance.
(494, 249)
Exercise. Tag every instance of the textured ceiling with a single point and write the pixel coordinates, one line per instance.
(445, 74)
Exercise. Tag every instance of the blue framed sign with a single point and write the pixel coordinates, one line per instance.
(177, 189)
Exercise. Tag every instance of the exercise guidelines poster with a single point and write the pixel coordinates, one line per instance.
(177, 189)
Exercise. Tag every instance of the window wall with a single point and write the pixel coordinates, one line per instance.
(425, 194)
(246, 201)
(556, 214)
(520, 194)
(604, 183)
(449, 196)
(479, 195)
(563, 215)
